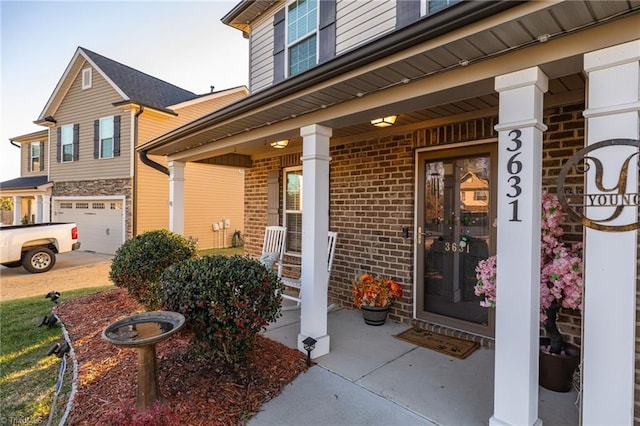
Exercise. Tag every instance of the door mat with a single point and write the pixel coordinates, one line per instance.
(447, 345)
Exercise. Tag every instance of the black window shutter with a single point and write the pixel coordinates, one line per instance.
(278, 45)
(96, 139)
(273, 197)
(327, 30)
(41, 155)
(58, 143)
(407, 11)
(116, 136)
(76, 142)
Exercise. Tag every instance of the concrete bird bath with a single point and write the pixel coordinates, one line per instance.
(143, 331)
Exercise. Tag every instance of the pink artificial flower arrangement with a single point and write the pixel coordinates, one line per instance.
(560, 271)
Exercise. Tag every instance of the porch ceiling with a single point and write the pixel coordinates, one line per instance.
(524, 26)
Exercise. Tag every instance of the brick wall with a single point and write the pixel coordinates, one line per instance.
(372, 186)
(371, 200)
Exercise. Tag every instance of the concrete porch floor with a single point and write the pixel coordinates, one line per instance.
(372, 378)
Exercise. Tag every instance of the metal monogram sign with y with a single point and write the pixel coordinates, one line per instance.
(615, 194)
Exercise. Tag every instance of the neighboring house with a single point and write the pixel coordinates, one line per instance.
(385, 108)
(84, 168)
(32, 190)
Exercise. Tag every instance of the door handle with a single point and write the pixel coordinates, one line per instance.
(420, 234)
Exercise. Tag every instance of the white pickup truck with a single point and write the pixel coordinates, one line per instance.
(35, 246)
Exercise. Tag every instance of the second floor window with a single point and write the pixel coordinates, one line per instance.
(66, 143)
(35, 156)
(106, 137)
(302, 40)
(292, 217)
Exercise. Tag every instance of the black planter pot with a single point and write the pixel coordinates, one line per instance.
(374, 315)
(556, 371)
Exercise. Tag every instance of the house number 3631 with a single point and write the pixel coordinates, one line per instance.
(514, 167)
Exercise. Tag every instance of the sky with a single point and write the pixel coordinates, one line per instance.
(181, 42)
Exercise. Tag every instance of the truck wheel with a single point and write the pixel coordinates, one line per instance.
(12, 264)
(39, 259)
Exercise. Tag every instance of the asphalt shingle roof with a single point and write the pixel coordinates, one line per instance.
(28, 182)
(138, 86)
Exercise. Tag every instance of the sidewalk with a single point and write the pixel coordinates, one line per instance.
(372, 378)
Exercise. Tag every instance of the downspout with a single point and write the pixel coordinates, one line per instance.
(14, 144)
(134, 202)
(149, 162)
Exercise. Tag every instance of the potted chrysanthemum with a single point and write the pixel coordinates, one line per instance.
(374, 295)
(560, 287)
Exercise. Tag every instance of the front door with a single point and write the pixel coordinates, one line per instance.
(454, 232)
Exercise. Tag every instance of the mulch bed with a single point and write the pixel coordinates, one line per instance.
(198, 392)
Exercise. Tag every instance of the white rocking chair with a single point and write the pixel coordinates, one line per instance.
(273, 247)
(295, 284)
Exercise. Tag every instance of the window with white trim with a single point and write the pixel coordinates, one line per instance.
(292, 208)
(66, 143)
(302, 39)
(35, 157)
(86, 78)
(428, 7)
(106, 137)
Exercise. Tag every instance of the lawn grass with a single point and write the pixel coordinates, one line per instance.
(27, 375)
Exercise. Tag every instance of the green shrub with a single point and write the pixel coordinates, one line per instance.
(226, 301)
(140, 261)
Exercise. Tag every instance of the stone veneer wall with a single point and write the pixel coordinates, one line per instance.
(96, 188)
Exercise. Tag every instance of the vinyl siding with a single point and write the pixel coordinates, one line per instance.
(360, 21)
(261, 55)
(194, 111)
(202, 206)
(83, 107)
(212, 194)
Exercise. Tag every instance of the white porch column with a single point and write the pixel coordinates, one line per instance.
(39, 206)
(518, 247)
(315, 228)
(609, 303)
(17, 210)
(176, 196)
(46, 208)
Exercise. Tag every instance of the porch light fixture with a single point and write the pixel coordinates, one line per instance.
(384, 121)
(280, 144)
(309, 345)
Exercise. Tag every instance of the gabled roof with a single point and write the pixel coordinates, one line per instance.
(29, 182)
(133, 85)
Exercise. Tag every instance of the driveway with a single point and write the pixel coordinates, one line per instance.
(78, 269)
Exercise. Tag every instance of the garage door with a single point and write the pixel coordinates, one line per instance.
(100, 223)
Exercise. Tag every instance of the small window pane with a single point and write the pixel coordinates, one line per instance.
(294, 191)
(82, 205)
(66, 205)
(98, 206)
(294, 232)
(435, 5)
(106, 150)
(302, 56)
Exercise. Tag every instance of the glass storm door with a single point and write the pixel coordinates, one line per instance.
(454, 232)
